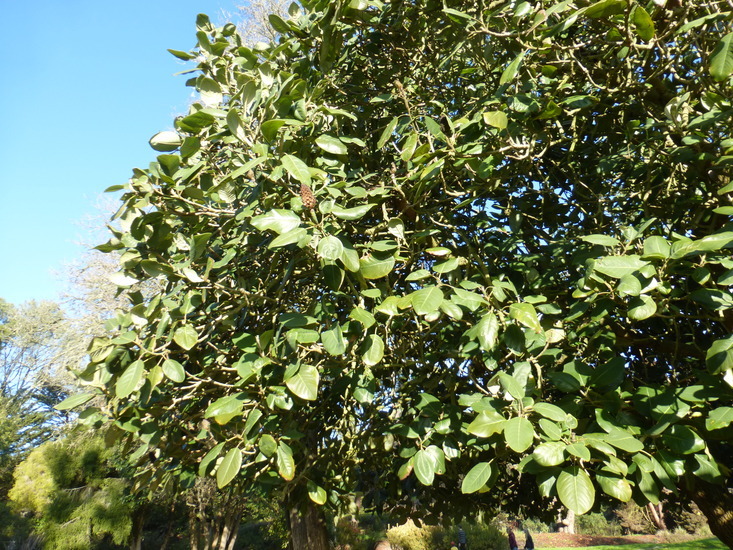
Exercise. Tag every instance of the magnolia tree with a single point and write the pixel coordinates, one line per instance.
(432, 247)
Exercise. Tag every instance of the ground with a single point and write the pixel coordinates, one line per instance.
(565, 540)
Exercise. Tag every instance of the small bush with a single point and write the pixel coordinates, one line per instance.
(535, 526)
(597, 524)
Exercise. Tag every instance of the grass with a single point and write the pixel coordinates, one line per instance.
(705, 544)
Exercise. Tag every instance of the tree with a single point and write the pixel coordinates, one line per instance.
(33, 379)
(73, 492)
(460, 243)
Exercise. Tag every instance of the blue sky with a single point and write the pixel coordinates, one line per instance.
(84, 85)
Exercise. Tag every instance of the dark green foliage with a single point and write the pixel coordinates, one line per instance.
(453, 245)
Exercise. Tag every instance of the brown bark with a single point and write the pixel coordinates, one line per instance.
(566, 524)
(307, 527)
(716, 502)
(656, 514)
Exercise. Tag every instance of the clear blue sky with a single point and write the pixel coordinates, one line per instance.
(84, 85)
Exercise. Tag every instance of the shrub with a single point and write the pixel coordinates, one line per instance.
(409, 536)
(597, 524)
(535, 526)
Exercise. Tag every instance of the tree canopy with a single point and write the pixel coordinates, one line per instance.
(451, 242)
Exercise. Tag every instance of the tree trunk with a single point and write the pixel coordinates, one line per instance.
(566, 524)
(136, 533)
(307, 527)
(716, 502)
(656, 514)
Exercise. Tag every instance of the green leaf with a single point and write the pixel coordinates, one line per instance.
(174, 370)
(424, 467)
(511, 385)
(166, 141)
(576, 490)
(333, 340)
(186, 337)
(387, 133)
(230, 406)
(285, 462)
(374, 350)
(497, 119)
(719, 357)
(278, 220)
(518, 433)
(603, 240)
(551, 453)
(579, 450)
(210, 457)
(372, 267)
(548, 410)
(682, 440)
(623, 440)
(614, 486)
(129, 379)
(643, 24)
(721, 60)
(74, 401)
(526, 314)
(229, 468)
(316, 493)
(642, 307)
(717, 418)
(512, 69)
(426, 300)
(488, 332)
(297, 169)
(331, 145)
(605, 8)
(486, 424)
(656, 247)
(476, 478)
(267, 445)
(619, 266)
(330, 248)
(351, 214)
(608, 375)
(305, 382)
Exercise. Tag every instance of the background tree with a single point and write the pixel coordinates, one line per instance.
(33, 378)
(475, 242)
(74, 493)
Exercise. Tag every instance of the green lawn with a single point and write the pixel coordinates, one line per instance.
(705, 544)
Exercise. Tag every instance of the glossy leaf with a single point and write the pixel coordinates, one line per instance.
(424, 467)
(285, 462)
(129, 379)
(576, 490)
(229, 468)
(518, 433)
(721, 60)
(174, 370)
(426, 300)
(186, 337)
(316, 493)
(304, 383)
(297, 169)
(476, 477)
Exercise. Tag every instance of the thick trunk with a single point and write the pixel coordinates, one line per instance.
(566, 524)
(716, 502)
(307, 528)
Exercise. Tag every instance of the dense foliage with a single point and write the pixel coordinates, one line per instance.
(445, 243)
